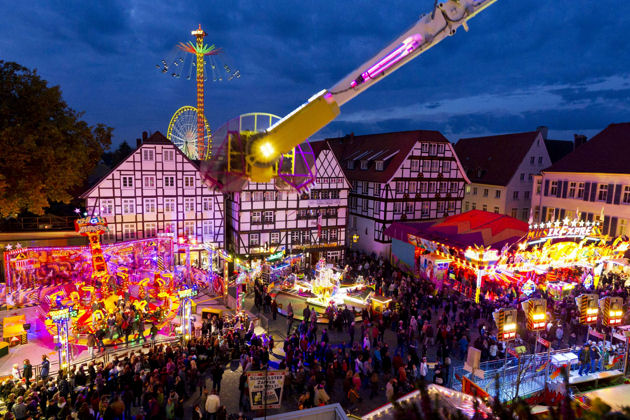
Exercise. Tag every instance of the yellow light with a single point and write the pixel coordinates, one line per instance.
(509, 327)
(591, 311)
(187, 337)
(266, 149)
(615, 313)
(538, 317)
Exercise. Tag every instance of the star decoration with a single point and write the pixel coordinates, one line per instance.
(566, 221)
(77, 211)
(548, 224)
(18, 245)
(581, 223)
(536, 226)
(574, 223)
(556, 223)
(9, 247)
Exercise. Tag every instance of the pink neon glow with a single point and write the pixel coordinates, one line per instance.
(406, 48)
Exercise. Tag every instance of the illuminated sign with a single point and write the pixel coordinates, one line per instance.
(60, 315)
(565, 229)
(187, 293)
(93, 224)
(528, 288)
(483, 255)
(276, 256)
(225, 255)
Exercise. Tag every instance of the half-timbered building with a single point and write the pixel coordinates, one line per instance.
(265, 217)
(411, 175)
(158, 189)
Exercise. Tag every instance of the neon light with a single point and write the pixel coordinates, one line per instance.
(538, 317)
(407, 47)
(187, 293)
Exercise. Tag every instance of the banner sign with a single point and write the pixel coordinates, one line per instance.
(596, 334)
(513, 353)
(543, 342)
(274, 387)
(471, 388)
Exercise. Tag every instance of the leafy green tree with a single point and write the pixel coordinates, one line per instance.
(46, 148)
(113, 158)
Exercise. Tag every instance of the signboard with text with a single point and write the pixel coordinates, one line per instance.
(274, 385)
(543, 342)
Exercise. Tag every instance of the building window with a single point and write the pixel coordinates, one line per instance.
(525, 214)
(522, 177)
(398, 206)
(514, 213)
(147, 154)
(440, 148)
(580, 193)
(334, 194)
(540, 160)
(451, 206)
(254, 239)
(553, 191)
(189, 204)
(207, 227)
(129, 231)
(270, 195)
(466, 206)
(530, 177)
(365, 205)
(268, 217)
(440, 208)
(149, 181)
(127, 181)
(485, 192)
(149, 205)
(323, 235)
(473, 205)
(602, 192)
(256, 217)
(170, 227)
(538, 186)
(621, 230)
(497, 194)
(377, 190)
(435, 165)
(295, 236)
(364, 164)
(446, 166)
(306, 236)
(129, 206)
(532, 160)
(415, 165)
(378, 165)
(467, 189)
(275, 238)
(484, 207)
(207, 204)
(169, 181)
(474, 190)
(550, 214)
(425, 210)
(515, 195)
(107, 207)
(409, 208)
(424, 187)
(150, 230)
(526, 195)
(169, 155)
(426, 165)
(400, 187)
(189, 228)
(189, 181)
(425, 147)
(350, 164)
(432, 187)
(626, 194)
(332, 233)
(496, 210)
(169, 204)
(412, 187)
(258, 196)
(432, 149)
(377, 208)
(443, 187)
(453, 187)
(572, 186)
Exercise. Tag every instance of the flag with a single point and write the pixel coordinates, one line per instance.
(556, 372)
(614, 361)
(542, 367)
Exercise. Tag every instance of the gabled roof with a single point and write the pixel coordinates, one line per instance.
(493, 160)
(155, 138)
(391, 148)
(607, 152)
(321, 145)
(475, 227)
(558, 149)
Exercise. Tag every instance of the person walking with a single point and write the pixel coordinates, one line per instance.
(91, 344)
(289, 318)
(45, 368)
(27, 372)
(584, 356)
(213, 402)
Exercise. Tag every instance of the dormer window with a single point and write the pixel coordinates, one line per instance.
(364, 164)
(378, 165)
(351, 164)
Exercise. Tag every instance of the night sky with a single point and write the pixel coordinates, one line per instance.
(524, 63)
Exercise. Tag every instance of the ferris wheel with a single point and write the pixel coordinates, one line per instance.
(182, 132)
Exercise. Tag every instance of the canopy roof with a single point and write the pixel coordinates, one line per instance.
(475, 227)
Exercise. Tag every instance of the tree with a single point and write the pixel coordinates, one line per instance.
(46, 148)
(113, 158)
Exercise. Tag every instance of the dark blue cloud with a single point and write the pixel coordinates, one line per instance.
(523, 63)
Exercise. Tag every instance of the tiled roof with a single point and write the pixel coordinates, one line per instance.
(558, 149)
(391, 148)
(157, 138)
(607, 152)
(493, 160)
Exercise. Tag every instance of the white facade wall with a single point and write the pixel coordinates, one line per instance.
(565, 194)
(157, 189)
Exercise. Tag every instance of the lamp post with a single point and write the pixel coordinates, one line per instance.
(186, 296)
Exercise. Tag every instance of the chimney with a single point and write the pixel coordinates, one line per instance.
(144, 136)
(138, 143)
(543, 129)
(578, 140)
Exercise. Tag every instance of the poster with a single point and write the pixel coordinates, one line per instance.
(256, 383)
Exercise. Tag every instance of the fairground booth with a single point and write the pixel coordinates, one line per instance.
(478, 252)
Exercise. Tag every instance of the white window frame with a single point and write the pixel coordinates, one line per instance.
(107, 207)
(626, 194)
(129, 206)
(256, 217)
(425, 209)
(553, 188)
(580, 192)
(274, 238)
(207, 204)
(189, 204)
(150, 229)
(148, 155)
(572, 189)
(189, 181)
(398, 207)
(169, 181)
(269, 216)
(148, 181)
(170, 204)
(169, 155)
(602, 192)
(208, 228)
(189, 228)
(126, 181)
(129, 231)
(415, 165)
(149, 205)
